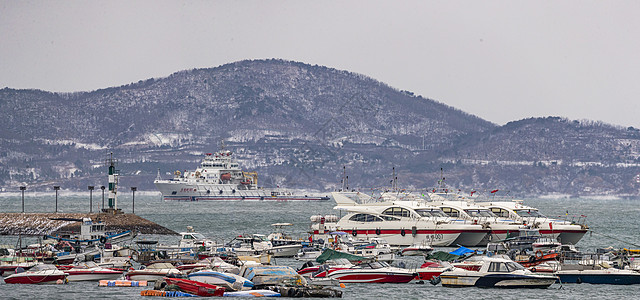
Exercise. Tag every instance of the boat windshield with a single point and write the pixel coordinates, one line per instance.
(42, 267)
(526, 213)
(485, 213)
(375, 265)
(198, 236)
(504, 267)
(429, 213)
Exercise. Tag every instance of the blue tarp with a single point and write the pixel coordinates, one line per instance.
(461, 251)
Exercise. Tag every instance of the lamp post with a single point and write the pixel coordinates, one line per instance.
(56, 188)
(22, 188)
(133, 206)
(102, 188)
(90, 198)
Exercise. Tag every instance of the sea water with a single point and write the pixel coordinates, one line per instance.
(613, 222)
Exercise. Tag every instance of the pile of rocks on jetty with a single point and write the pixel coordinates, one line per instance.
(52, 223)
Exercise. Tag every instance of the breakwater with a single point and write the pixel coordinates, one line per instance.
(53, 223)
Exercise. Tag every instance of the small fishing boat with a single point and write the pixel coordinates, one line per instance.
(497, 272)
(231, 282)
(90, 271)
(374, 272)
(423, 248)
(39, 274)
(154, 272)
(196, 287)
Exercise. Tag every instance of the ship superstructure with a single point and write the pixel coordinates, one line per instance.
(220, 178)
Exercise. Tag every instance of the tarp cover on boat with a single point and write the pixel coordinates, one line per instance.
(442, 256)
(328, 254)
(461, 251)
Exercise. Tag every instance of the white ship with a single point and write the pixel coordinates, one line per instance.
(220, 178)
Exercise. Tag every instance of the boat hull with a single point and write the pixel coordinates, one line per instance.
(285, 250)
(599, 277)
(497, 281)
(34, 279)
(350, 276)
(92, 275)
(197, 288)
(180, 191)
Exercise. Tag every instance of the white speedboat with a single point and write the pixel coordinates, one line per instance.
(374, 272)
(499, 273)
(566, 232)
(39, 274)
(90, 271)
(231, 282)
(219, 178)
(154, 272)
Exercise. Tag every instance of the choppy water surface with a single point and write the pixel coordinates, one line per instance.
(613, 222)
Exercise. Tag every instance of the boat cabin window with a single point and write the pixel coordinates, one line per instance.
(365, 218)
(485, 213)
(503, 213)
(397, 211)
(428, 213)
(529, 213)
(187, 237)
(451, 212)
(504, 267)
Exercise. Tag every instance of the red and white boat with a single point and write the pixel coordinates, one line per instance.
(154, 272)
(39, 274)
(320, 271)
(90, 271)
(375, 272)
(429, 270)
(196, 287)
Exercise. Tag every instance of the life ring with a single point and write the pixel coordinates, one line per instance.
(103, 239)
(378, 231)
(354, 232)
(402, 232)
(539, 254)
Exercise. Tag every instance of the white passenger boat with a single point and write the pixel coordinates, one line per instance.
(497, 272)
(566, 232)
(219, 178)
(401, 223)
(469, 212)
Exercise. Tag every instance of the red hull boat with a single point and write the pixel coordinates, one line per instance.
(197, 288)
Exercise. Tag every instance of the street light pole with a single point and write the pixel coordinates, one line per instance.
(91, 198)
(22, 188)
(56, 188)
(133, 206)
(102, 188)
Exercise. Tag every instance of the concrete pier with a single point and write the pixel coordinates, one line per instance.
(42, 223)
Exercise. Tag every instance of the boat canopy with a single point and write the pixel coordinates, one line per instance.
(332, 254)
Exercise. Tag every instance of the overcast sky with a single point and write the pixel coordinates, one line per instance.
(499, 60)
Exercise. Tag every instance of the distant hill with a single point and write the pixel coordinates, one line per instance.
(298, 125)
